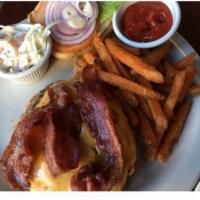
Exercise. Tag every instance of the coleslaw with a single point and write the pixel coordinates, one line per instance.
(22, 48)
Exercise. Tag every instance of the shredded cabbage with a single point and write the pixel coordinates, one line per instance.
(17, 56)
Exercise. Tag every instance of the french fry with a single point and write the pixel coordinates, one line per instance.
(169, 105)
(89, 57)
(131, 115)
(126, 84)
(134, 62)
(174, 131)
(104, 55)
(170, 70)
(190, 74)
(174, 94)
(133, 102)
(194, 90)
(157, 112)
(111, 66)
(130, 98)
(123, 71)
(154, 105)
(159, 130)
(150, 153)
(133, 50)
(145, 108)
(158, 54)
(165, 89)
(183, 63)
(168, 81)
(151, 150)
(147, 134)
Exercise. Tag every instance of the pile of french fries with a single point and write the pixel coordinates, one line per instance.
(152, 90)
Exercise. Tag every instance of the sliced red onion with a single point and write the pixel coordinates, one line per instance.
(91, 14)
(54, 16)
(63, 32)
(86, 3)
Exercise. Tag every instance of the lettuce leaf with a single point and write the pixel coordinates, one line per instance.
(106, 9)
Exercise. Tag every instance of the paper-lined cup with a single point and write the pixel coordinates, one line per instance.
(34, 73)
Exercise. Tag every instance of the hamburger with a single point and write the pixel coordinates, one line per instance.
(74, 24)
(73, 136)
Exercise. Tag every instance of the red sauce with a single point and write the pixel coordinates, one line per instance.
(146, 21)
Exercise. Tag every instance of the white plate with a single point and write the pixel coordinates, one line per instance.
(182, 170)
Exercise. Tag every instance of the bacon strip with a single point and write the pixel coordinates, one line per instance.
(62, 150)
(62, 123)
(95, 112)
(63, 127)
(91, 177)
(18, 156)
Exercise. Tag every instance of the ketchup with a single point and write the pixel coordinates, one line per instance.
(146, 21)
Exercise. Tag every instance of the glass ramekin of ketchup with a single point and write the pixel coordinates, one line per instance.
(146, 24)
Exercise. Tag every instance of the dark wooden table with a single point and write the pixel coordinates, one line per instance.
(189, 27)
(13, 12)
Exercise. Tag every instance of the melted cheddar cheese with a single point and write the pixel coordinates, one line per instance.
(42, 180)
